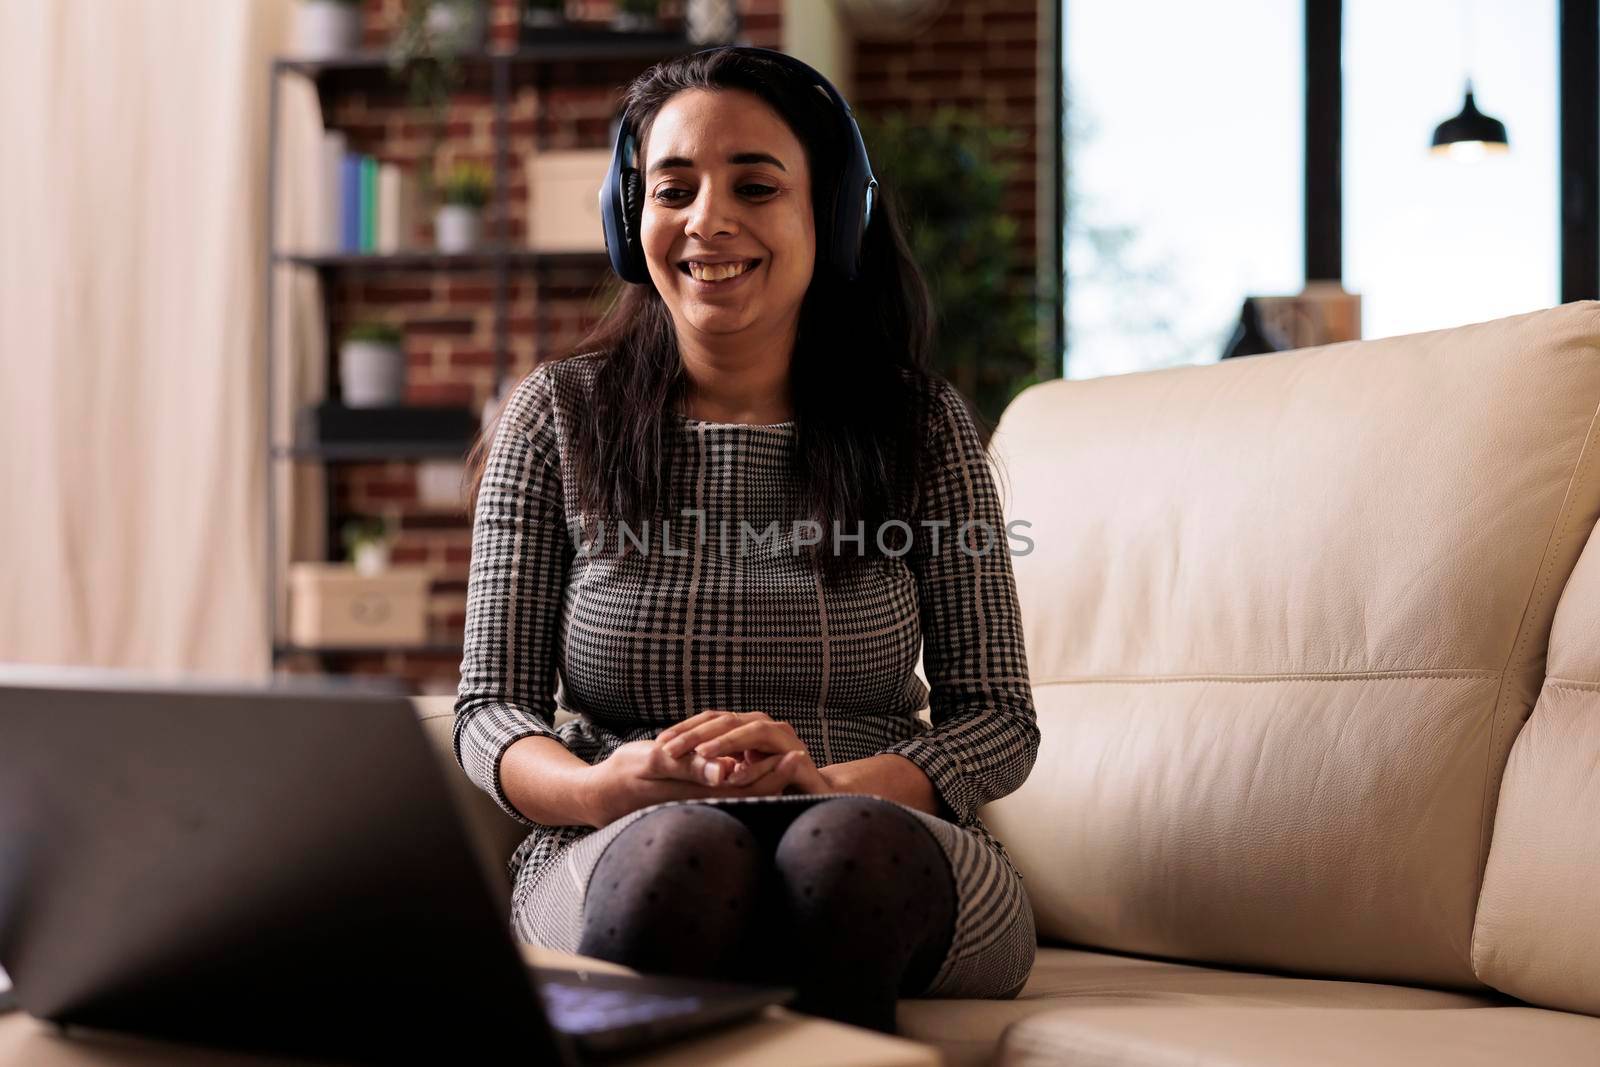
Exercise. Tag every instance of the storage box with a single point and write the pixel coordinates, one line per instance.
(564, 200)
(330, 605)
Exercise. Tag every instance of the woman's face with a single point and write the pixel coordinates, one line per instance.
(726, 180)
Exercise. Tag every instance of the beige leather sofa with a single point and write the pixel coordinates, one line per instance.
(1315, 641)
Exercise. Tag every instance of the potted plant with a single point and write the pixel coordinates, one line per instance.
(948, 174)
(463, 192)
(430, 67)
(372, 366)
(636, 16)
(366, 544)
(327, 28)
(543, 14)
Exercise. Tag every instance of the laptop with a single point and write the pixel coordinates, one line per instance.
(281, 870)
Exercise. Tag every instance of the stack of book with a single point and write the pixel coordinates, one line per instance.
(365, 205)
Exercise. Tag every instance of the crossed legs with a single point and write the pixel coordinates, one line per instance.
(849, 900)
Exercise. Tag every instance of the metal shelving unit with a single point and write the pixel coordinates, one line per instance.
(589, 55)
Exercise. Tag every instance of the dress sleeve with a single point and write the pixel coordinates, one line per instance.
(984, 736)
(521, 553)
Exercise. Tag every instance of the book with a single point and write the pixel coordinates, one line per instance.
(330, 162)
(369, 196)
(350, 203)
(396, 208)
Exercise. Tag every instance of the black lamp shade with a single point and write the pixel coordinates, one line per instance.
(1470, 126)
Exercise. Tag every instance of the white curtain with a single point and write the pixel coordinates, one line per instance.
(132, 340)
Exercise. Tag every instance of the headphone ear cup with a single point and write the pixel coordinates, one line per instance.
(632, 204)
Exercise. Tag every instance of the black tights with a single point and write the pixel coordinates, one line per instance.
(850, 901)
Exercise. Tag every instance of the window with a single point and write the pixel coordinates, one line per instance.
(1431, 242)
(1184, 145)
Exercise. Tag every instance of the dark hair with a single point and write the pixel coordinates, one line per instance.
(859, 376)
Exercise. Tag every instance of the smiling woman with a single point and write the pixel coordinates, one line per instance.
(746, 788)
(737, 226)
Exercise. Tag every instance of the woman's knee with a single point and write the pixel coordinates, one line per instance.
(850, 849)
(685, 847)
(673, 891)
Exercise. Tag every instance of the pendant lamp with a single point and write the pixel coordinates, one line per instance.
(1470, 134)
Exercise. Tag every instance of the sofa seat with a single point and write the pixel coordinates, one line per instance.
(1100, 1008)
(1219, 1036)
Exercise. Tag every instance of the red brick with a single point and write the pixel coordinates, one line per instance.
(402, 490)
(374, 293)
(462, 292)
(408, 553)
(439, 393)
(472, 357)
(441, 327)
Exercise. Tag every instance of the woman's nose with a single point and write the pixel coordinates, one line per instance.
(712, 213)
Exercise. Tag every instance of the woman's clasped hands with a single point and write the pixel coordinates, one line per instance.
(743, 751)
(712, 754)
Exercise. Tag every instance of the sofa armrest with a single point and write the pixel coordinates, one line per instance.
(495, 835)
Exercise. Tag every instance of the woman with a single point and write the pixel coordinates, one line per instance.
(729, 525)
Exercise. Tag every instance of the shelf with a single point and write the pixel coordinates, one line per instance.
(437, 648)
(424, 259)
(374, 451)
(581, 44)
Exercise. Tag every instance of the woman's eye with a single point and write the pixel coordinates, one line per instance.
(753, 190)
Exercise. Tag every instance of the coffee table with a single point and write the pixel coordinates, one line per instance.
(776, 1038)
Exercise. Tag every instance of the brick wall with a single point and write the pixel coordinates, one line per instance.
(978, 53)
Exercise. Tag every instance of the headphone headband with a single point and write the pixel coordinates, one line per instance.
(621, 195)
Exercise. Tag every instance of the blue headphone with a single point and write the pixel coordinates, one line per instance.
(622, 195)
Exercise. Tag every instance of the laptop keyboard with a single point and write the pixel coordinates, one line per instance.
(578, 1008)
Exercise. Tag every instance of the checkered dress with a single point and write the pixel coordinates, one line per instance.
(702, 619)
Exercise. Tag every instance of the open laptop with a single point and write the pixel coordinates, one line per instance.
(282, 870)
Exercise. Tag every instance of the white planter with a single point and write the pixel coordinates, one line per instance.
(456, 228)
(324, 29)
(372, 557)
(711, 22)
(372, 374)
(459, 27)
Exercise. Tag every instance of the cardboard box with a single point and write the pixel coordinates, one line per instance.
(564, 200)
(332, 606)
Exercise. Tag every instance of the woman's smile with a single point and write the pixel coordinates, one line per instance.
(719, 277)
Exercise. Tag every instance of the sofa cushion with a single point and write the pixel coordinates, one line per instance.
(1069, 981)
(1284, 616)
(1538, 927)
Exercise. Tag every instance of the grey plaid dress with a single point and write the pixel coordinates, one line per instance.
(702, 619)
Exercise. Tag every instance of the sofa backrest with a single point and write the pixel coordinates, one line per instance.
(1537, 935)
(1284, 617)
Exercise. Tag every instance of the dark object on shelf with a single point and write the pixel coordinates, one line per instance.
(1251, 337)
(432, 648)
(492, 257)
(330, 423)
(542, 14)
(585, 33)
